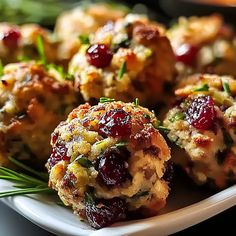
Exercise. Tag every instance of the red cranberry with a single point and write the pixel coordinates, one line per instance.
(105, 212)
(186, 53)
(201, 113)
(112, 168)
(69, 180)
(11, 38)
(115, 122)
(59, 152)
(54, 137)
(99, 55)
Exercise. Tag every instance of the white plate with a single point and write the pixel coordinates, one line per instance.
(187, 205)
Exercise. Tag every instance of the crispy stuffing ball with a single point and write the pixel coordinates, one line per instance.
(18, 42)
(203, 44)
(107, 160)
(32, 104)
(82, 21)
(128, 59)
(203, 124)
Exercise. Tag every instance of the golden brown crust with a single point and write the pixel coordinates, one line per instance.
(33, 103)
(206, 155)
(149, 62)
(148, 153)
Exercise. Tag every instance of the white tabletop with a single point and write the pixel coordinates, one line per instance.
(13, 224)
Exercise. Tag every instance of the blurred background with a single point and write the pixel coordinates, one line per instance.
(46, 11)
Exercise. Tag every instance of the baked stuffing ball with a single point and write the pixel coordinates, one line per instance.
(203, 45)
(82, 21)
(128, 59)
(202, 124)
(32, 103)
(107, 160)
(18, 42)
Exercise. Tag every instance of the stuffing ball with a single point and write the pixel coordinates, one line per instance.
(82, 21)
(203, 44)
(128, 59)
(107, 160)
(32, 104)
(203, 124)
(20, 42)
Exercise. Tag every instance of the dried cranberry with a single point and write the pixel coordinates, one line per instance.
(11, 38)
(69, 180)
(105, 212)
(115, 123)
(54, 137)
(99, 55)
(59, 152)
(112, 168)
(201, 113)
(186, 53)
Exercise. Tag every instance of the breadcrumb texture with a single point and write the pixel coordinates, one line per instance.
(208, 156)
(26, 46)
(214, 39)
(148, 55)
(32, 104)
(146, 190)
(83, 21)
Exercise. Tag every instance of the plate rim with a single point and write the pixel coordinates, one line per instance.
(167, 223)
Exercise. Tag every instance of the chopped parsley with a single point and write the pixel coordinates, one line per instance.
(122, 70)
(147, 116)
(84, 39)
(125, 43)
(40, 48)
(177, 116)
(121, 144)
(163, 129)
(203, 87)
(61, 71)
(136, 102)
(104, 99)
(1, 68)
(84, 162)
(89, 198)
(226, 88)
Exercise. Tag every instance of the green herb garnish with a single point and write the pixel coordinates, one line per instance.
(163, 129)
(40, 48)
(84, 162)
(1, 68)
(97, 143)
(24, 184)
(104, 99)
(146, 116)
(89, 198)
(122, 70)
(41, 175)
(23, 58)
(177, 116)
(84, 39)
(226, 88)
(61, 71)
(136, 102)
(121, 144)
(203, 87)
